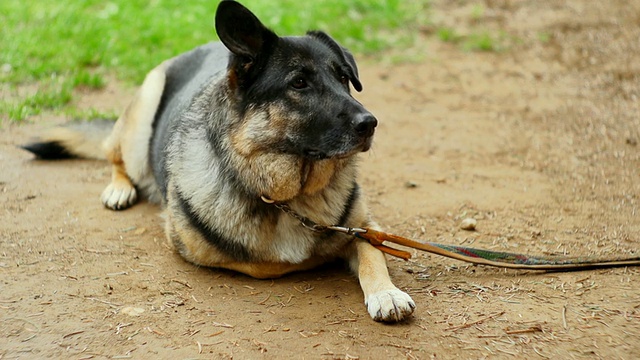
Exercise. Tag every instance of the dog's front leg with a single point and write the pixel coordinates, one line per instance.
(384, 301)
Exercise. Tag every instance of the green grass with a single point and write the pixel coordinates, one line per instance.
(544, 37)
(482, 41)
(91, 113)
(447, 34)
(477, 12)
(48, 96)
(477, 38)
(475, 41)
(59, 46)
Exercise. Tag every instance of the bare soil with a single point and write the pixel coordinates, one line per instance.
(539, 143)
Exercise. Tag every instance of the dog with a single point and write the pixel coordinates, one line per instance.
(217, 134)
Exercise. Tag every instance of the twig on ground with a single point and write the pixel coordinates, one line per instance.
(464, 326)
(73, 333)
(184, 283)
(535, 328)
(224, 325)
(265, 299)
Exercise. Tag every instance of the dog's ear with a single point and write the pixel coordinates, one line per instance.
(351, 61)
(343, 54)
(242, 32)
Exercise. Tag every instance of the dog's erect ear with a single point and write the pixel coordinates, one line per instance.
(241, 31)
(343, 54)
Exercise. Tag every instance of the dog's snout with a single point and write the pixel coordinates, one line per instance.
(364, 124)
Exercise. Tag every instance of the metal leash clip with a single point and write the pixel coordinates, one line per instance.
(347, 230)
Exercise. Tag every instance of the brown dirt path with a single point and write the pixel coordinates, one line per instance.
(538, 143)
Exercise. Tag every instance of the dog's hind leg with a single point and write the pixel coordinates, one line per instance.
(120, 193)
(127, 148)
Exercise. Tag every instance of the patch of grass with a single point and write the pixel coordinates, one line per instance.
(84, 78)
(79, 42)
(48, 97)
(90, 114)
(476, 41)
(477, 12)
(544, 37)
(448, 35)
(480, 42)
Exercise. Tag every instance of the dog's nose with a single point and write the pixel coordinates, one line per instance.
(364, 124)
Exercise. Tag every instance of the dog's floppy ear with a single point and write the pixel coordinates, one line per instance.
(343, 54)
(355, 80)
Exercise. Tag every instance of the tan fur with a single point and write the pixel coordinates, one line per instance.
(316, 175)
(185, 239)
(82, 144)
(286, 176)
(129, 141)
(271, 270)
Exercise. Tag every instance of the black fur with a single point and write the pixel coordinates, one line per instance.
(250, 42)
(51, 150)
(231, 248)
(354, 194)
(343, 54)
(348, 207)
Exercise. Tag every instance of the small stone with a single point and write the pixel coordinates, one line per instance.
(468, 224)
(132, 311)
(410, 184)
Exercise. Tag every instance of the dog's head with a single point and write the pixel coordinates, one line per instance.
(292, 93)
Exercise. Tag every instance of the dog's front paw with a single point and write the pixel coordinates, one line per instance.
(389, 305)
(119, 196)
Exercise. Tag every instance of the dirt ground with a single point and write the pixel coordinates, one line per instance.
(539, 143)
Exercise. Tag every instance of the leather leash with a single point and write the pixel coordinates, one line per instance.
(470, 255)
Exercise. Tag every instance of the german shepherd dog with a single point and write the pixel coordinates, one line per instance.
(212, 131)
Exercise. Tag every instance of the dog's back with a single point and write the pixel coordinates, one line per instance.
(186, 76)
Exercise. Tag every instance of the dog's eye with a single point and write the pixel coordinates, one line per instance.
(299, 83)
(344, 79)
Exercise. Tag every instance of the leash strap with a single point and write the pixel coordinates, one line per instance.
(491, 258)
(470, 255)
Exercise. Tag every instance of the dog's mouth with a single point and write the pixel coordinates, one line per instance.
(318, 154)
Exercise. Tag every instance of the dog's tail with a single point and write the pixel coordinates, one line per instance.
(82, 139)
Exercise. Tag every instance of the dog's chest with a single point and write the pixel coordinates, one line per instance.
(293, 242)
